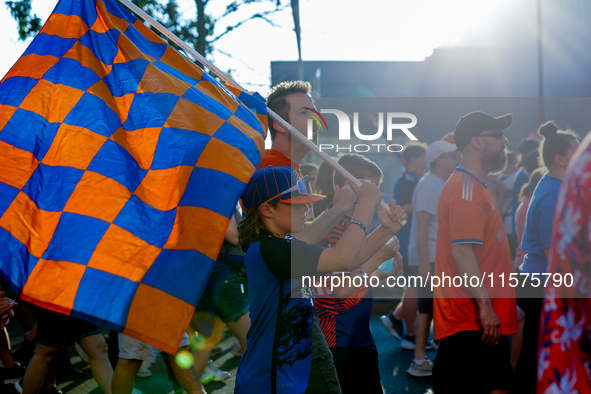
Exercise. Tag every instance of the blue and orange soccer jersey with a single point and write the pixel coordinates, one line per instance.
(468, 214)
(343, 321)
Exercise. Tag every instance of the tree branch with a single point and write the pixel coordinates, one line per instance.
(235, 5)
(262, 15)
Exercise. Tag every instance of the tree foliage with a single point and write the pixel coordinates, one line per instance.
(197, 31)
(21, 11)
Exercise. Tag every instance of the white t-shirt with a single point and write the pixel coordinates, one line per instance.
(425, 198)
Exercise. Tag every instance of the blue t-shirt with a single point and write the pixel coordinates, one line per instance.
(403, 195)
(278, 357)
(537, 234)
(521, 179)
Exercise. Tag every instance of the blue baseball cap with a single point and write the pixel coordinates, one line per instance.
(273, 184)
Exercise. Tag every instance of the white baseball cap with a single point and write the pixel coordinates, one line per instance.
(437, 149)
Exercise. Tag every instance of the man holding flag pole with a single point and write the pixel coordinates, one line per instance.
(289, 107)
(293, 103)
(115, 137)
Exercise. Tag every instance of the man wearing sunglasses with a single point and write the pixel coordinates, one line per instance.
(473, 322)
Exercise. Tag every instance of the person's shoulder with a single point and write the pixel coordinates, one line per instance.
(455, 181)
(471, 188)
(547, 192)
(412, 177)
(436, 188)
(273, 248)
(273, 158)
(408, 177)
(510, 179)
(432, 180)
(521, 177)
(268, 239)
(425, 184)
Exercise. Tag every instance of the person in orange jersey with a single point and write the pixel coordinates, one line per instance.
(473, 321)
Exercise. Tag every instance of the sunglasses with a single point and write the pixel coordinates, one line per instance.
(495, 134)
(302, 186)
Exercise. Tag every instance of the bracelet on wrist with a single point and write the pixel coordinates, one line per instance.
(360, 225)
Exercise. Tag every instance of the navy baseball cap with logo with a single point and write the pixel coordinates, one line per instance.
(477, 122)
(273, 184)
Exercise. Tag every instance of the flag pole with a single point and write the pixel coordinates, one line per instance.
(228, 80)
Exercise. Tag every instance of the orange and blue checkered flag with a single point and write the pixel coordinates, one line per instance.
(121, 163)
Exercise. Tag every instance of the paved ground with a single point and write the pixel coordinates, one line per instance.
(394, 362)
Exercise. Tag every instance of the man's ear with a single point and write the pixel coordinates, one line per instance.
(477, 143)
(280, 129)
(267, 211)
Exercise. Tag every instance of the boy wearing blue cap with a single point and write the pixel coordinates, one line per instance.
(279, 353)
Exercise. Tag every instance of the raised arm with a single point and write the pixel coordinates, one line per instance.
(344, 254)
(389, 227)
(314, 231)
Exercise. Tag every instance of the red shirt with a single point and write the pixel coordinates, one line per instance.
(564, 353)
(468, 214)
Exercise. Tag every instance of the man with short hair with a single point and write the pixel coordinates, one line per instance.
(473, 321)
(442, 158)
(291, 101)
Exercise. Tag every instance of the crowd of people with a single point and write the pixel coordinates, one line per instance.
(473, 209)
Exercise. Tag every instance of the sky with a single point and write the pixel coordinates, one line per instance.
(379, 30)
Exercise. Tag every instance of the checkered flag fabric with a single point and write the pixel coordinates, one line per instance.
(121, 163)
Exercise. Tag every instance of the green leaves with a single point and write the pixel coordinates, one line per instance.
(21, 11)
(199, 32)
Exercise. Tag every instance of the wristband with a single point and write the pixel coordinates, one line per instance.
(360, 225)
(361, 272)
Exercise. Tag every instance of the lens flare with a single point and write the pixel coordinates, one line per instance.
(184, 359)
(198, 342)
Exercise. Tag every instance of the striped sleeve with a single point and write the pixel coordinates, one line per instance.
(467, 216)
